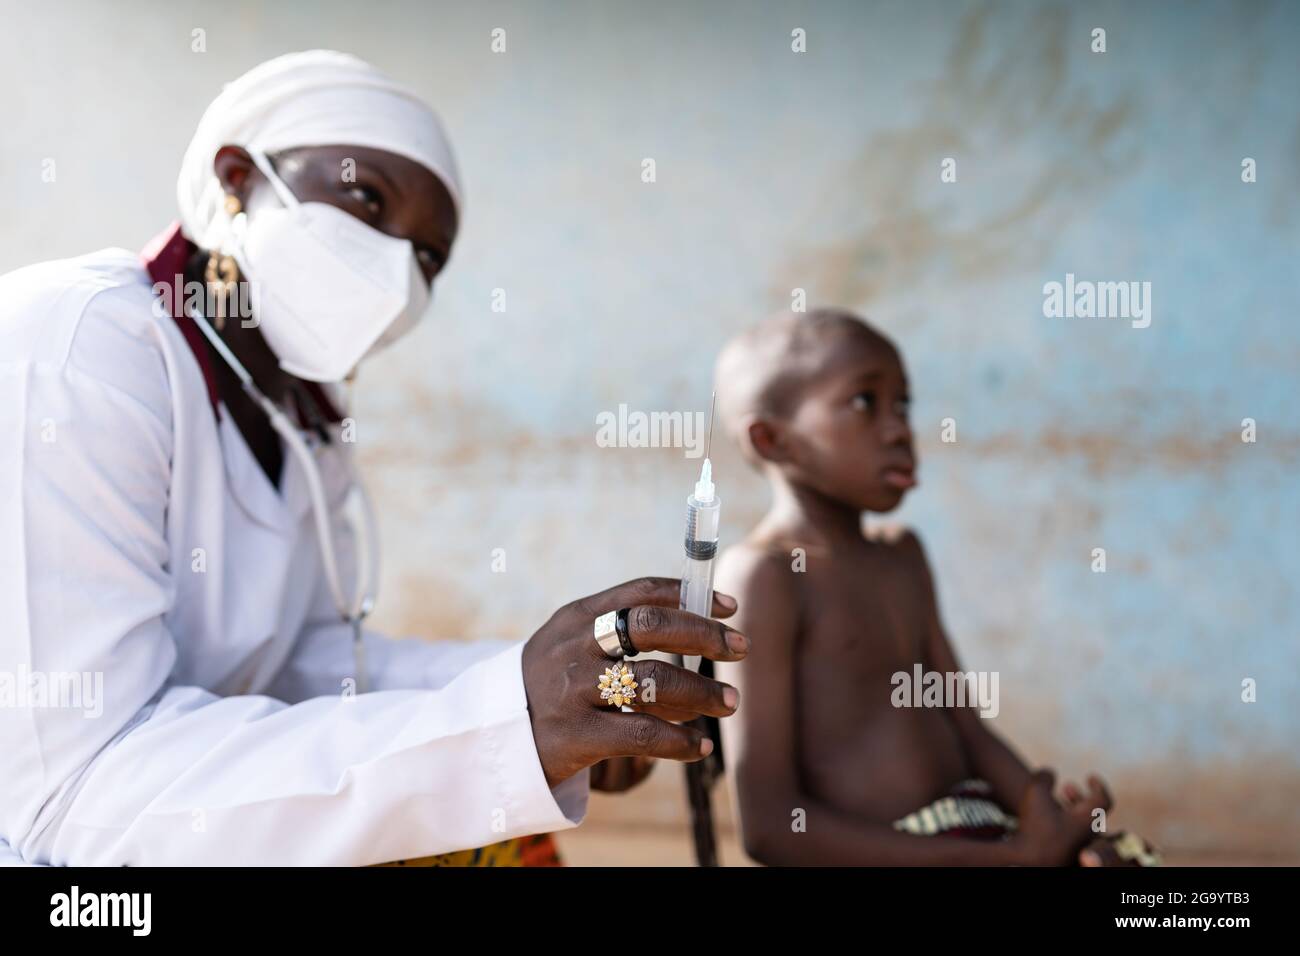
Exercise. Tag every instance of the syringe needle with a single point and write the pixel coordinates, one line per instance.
(708, 445)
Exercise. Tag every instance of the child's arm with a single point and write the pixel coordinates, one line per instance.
(990, 756)
(759, 745)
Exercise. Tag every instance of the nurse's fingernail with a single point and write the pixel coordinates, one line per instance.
(730, 697)
(726, 600)
(737, 642)
(706, 746)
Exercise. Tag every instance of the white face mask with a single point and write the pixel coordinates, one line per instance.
(327, 289)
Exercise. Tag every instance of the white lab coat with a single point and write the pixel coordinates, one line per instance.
(140, 540)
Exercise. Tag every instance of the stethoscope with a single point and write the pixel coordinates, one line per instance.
(358, 609)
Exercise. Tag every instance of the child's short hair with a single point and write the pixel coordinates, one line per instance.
(761, 372)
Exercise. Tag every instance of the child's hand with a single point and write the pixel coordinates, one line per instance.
(1050, 834)
(1098, 795)
(1124, 849)
(1101, 852)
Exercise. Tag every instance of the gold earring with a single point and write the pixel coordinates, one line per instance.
(222, 275)
(222, 272)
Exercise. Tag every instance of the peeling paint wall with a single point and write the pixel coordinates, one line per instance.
(821, 171)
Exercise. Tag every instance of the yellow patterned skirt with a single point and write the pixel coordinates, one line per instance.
(538, 850)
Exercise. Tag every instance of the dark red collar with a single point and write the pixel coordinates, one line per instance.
(164, 259)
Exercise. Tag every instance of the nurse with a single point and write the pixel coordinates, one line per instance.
(173, 475)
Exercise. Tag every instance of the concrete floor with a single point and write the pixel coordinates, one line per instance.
(589, 845)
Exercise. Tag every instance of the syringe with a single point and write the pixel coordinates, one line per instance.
(702, 511)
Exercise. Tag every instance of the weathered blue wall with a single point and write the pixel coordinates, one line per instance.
(820, 170)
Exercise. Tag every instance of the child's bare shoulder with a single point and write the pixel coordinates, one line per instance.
(758, 574)
(757, 562)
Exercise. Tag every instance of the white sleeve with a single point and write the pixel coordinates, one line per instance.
(8, 857)
(162, 774)
(333, 781)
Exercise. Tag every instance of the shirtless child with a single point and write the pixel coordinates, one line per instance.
(819, 403)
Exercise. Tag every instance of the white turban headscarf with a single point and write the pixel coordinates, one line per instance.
(316, 98)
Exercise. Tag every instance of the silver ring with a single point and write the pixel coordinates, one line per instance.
(606, 633)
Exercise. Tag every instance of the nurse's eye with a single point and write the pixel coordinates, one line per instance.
(367, 197)
(865, 402)
(903, 407)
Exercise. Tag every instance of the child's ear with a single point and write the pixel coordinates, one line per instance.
(766, 440)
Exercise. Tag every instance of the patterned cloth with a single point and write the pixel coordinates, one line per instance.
(970, 811)
(536, 850)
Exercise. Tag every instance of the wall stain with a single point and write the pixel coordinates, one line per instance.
(1016, 94)
(1104, 452)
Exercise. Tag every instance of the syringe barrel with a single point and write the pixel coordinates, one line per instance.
(701, 547)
